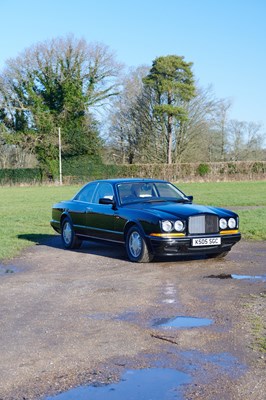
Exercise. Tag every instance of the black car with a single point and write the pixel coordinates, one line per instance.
(150, 217)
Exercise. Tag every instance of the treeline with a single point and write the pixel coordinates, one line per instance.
(149, 115)
(184, 172)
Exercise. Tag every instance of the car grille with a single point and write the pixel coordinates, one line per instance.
(203, 224)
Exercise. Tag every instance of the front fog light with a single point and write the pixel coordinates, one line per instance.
(223, 223)
(179, 226)
(167, 226)
(232, 223)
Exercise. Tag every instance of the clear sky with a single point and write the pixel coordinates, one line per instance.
(225, 39)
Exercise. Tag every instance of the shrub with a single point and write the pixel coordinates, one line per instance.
(203, 169)
(232, 168)
(258, 167)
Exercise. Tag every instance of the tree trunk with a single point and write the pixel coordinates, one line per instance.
(169, 139)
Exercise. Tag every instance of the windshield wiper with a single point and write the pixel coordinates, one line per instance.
(181, 200)
(165, 200)
(156, 200)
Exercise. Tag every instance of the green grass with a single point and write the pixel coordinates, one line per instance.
(25, 212)
(227, 193)
(256, 316)
(238, 195)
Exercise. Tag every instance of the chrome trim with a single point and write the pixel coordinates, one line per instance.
(97, 229)
(98, 238)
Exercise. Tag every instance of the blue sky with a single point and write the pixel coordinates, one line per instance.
(225, 39)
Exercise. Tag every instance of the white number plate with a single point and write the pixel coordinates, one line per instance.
(215, 241)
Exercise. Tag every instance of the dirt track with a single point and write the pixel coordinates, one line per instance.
(71, 318)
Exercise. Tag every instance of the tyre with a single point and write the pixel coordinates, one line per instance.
(136, 247)
(69, 239)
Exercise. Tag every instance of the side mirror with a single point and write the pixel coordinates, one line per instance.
(107, 201)
(190, 198)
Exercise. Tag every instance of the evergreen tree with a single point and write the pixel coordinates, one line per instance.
(172, 81)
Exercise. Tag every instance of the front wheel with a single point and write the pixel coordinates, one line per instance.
(70, 240)
(136, 247)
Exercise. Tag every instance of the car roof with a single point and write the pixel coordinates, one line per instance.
(130, 180)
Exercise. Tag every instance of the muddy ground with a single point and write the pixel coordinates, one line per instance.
(72, 318)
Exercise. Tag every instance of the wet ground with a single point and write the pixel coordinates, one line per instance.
(91, 325)
(143, 384)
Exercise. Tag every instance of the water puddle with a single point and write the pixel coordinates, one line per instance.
(226, 362)
(239, 277)
(128, 316)
(169, 293)
(7, 269)
(182, 322)
(144, 384)
(250, 277)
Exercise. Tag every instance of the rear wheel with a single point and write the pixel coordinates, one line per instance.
(70, 240)
(136, 246)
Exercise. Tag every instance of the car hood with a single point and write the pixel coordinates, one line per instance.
(170, 209)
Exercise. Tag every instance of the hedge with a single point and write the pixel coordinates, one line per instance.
(81, 171)
(20, 175)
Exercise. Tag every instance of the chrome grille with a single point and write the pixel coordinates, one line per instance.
(203, 224)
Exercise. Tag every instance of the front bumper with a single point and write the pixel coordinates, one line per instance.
(183, 245)
(55, 225)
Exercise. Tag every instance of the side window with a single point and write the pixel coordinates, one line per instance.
(166, 190)
(104, 190)
(86, 194)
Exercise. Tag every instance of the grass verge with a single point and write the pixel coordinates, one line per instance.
(255, 314)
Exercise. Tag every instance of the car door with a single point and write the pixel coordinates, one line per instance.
(100, 217)
(82, 202)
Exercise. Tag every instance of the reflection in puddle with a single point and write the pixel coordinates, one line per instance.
(250, 277)
(145, 384)
(182, 322)
(169, 293)
(239, 277)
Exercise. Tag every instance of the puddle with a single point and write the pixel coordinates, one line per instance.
(169, 293)
(99, 316)
(7, 269)
(239, 277)
(250, 277)
(226, 362)
(144, 384)
(128, 316)
(182, 322)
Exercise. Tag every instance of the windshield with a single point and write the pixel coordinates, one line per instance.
(152, 191)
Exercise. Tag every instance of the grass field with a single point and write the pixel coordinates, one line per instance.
(25, 212)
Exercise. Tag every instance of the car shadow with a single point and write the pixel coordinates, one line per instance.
(43, 239)
(103, 249)
(87, 247)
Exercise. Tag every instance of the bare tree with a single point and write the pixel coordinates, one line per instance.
(245, 140)
(193, 136)
(129, 117)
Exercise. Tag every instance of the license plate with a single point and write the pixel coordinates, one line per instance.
(215, 241)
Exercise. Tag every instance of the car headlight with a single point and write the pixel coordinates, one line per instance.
(223, 223)
(167, 226)
(179, 226)
(231, 223)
